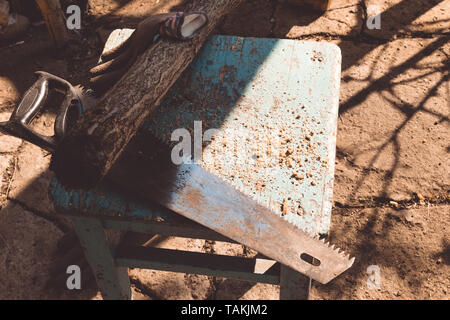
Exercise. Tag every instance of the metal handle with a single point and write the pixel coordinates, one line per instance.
(35, 100)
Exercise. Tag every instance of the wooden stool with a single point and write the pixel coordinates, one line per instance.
(274, 105)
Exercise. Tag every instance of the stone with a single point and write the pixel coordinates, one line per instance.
(393, 203)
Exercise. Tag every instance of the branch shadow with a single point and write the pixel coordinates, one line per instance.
(385, 86)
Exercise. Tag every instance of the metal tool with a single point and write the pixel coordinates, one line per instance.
(36, 99)
(188, 189)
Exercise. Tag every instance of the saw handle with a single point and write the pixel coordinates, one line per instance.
(35, 100)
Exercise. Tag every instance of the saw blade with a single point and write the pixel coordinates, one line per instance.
(191, 191)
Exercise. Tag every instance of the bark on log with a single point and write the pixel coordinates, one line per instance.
(90, 149)
(55, 21)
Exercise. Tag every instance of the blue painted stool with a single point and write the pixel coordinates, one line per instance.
(273, 105)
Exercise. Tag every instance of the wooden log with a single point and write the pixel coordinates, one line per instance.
(90, 149)
(55, 21)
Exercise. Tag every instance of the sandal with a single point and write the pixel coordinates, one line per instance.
(183, 25)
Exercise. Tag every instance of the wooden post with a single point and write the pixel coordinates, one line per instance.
(89, 150)
(112, 280)
(55, 21)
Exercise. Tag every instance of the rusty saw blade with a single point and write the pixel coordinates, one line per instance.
(146, 168)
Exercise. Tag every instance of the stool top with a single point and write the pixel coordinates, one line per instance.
(273, 106)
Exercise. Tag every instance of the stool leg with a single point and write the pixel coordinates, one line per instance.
(293, 285)
(112, 281)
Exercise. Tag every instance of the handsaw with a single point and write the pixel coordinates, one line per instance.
(146, 168)
(187, 189)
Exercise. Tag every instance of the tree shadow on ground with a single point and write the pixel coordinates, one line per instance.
(386, 85)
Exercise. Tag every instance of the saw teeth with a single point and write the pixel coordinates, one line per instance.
(271, 205)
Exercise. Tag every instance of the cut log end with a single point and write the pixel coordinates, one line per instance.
(74, 162)
(85, 156)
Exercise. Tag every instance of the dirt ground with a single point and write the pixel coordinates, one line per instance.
(392, 206)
